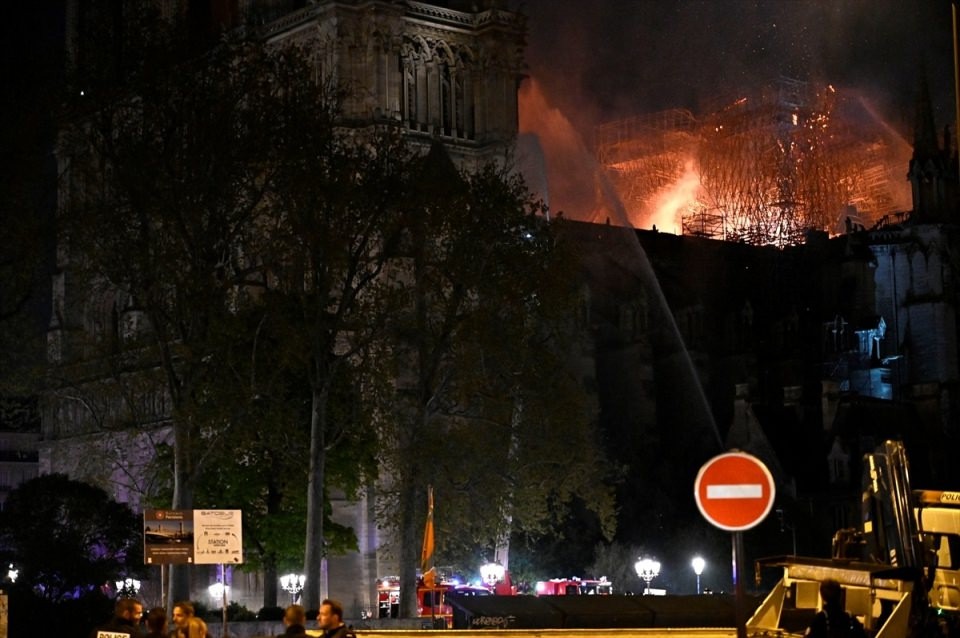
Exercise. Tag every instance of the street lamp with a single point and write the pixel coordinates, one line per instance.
(698, 564)
(491, 574)
(647, 569)
(292, 583)
(128, 587)
(218, 591)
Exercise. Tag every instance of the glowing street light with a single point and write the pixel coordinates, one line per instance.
(218, 591)
(492, 573)
(647, 569)
(698, 564)
(292, 583)
(128, 587)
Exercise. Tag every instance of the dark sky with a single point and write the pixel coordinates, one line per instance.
(31, 63)
(598, 60)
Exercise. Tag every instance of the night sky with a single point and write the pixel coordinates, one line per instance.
(607, 59)
(595, 61)
(599, 60)
(591, 63)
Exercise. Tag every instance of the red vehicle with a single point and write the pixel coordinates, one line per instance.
(388, 597)
(431, 601)
(574, 587)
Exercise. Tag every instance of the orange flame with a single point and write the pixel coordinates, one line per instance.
(673, 201)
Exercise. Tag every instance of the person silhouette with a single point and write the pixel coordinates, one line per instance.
(833, 621)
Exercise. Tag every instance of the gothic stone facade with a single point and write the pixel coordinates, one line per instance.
(446, 71)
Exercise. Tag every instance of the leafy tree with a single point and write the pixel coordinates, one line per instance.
(256, 465)
(261, 470)
(616, 561)
(170, 196)
(68, 538)
(262, 245)
(341, 210)
(252, 241)
(262, 467)
(486, 408)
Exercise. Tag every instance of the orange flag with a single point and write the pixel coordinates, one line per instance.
(427, 553)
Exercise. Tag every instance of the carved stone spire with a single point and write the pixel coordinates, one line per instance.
(932, 174)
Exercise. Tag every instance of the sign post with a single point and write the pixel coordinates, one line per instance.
(735, 492)
(194, 537)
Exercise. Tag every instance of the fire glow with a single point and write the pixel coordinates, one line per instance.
(766, 168)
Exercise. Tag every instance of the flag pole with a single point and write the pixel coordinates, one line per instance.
(426, 554)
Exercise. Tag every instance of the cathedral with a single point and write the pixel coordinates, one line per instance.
(804, 355)
(445, 72)
(807, 356)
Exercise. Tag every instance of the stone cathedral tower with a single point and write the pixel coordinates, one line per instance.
(446, 71)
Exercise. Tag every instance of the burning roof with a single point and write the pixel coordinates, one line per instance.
(764, 168)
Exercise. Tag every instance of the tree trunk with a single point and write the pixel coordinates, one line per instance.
(501, 553)
(270, 577)
(315, 546)
(410, 543)
(409, 530)
(178, 585)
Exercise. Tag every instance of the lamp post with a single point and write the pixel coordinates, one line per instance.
(292, 583)
(647, 569)
(127, 588)
(698, 564)
(218, 591)
(491, 574)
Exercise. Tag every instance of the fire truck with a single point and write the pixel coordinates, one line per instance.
(388, 597)
(899, 570)
(574, 587)
(431, 601)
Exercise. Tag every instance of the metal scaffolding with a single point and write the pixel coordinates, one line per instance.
(772, 165)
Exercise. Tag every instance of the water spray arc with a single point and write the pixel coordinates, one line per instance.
(558, 138)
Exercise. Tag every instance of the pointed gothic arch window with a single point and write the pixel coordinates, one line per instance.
(461, 105)
(450, 100)
(437, 86)
(413, 61)
(410, 88)
(447, 98)
(317, 66)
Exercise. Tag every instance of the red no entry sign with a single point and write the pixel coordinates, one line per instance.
(734, 491)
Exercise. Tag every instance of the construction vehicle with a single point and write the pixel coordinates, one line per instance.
(900, 571)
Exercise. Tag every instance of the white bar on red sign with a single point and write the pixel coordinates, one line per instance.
(746, 490)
